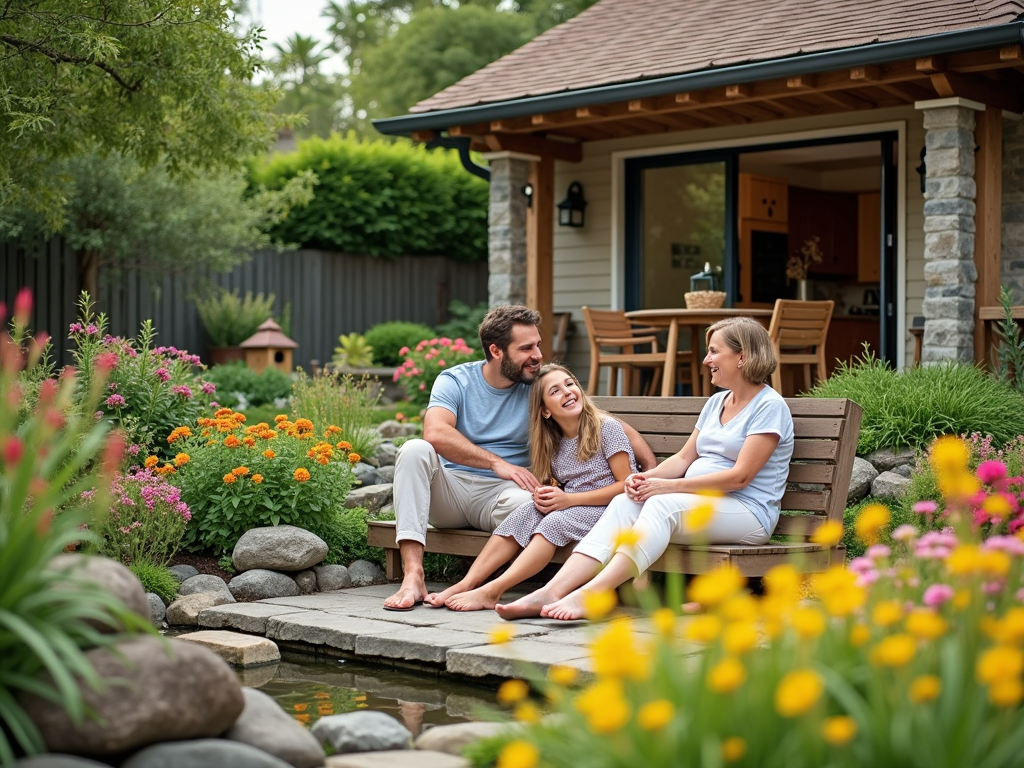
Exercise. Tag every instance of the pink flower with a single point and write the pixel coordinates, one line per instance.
(75, 328)
(403, 351)
(397, 374)
(208, 388)
(877, 551)
(91, 329)
(14, 449)
(937, 594)
(925, 507)
(106, 361)
(905, 532)
(184, 391)
(134, 449)
(23, 305)
(441, 363)
(861, 565)
(1009, 544)
(991, 472)
(115, 401)
(163, 374)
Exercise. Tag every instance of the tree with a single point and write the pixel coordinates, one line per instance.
(305, 89)
(158, 82)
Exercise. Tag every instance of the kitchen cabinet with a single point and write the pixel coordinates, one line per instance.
(869, 237)
(763, 198)
(832, 217)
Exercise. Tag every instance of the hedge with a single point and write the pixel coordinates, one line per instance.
(381, 198)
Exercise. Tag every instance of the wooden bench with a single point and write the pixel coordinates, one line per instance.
(819, 479)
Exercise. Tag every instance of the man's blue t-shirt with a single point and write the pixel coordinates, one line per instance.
(496, 420)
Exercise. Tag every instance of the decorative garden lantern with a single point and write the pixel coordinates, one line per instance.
(572, 210)
(269, 347)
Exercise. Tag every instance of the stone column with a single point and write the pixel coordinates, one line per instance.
(506, 227)
(950, 272)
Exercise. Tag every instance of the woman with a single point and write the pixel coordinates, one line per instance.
(740, 448)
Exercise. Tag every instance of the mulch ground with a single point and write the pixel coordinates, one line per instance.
(202, 563)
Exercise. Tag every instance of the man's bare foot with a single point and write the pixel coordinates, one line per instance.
(412, 591)
(526, 607)
(479, 599)
(437, 599)
(569, 608)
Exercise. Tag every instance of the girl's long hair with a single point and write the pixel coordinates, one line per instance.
(546, 435)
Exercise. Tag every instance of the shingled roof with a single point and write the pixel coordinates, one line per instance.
(622, 41)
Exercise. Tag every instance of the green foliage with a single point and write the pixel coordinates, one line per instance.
(344, 532)
(1010, 358)
(156, 579)
(901, 514)
(483, 753)
(304, 91)
(447, 568)
(388, 339)
(229, 320)
(353, 351)
(232, 379)
(424, 364)
(343, 401)
(464, 323)
(381, 198)
(913, 406)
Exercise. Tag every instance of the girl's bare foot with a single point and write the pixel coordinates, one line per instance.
(569, 608)
(479, 599)
(525, 607)
(437, 599)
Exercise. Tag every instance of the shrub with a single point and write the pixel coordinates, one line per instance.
(344, 401)
(230, 320)
(353, 351)
(234, 379)
(1010, 357)
(424, 364)
(464, 323)
(914, 406)
(381, 198)
(156, 579)
(344, 532)
(387, 340)
(238, 478)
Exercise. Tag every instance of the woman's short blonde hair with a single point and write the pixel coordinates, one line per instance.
(747, 336)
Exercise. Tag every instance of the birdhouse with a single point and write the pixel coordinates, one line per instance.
(268, 347)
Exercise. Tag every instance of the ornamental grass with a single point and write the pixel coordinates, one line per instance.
(912, 656)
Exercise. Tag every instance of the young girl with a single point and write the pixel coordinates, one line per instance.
(586, 452)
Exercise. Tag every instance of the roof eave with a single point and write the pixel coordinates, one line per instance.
(864, 55)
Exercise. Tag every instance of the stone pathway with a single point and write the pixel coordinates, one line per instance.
(352, 624)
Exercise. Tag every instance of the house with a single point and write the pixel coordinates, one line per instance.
(729, 134)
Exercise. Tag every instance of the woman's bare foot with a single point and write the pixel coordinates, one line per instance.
(437, 599)
(526, 607)
(569, 608)
(479, 599)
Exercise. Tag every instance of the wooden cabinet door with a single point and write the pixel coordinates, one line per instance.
(832, 217)
(869, 237)
(763, 198)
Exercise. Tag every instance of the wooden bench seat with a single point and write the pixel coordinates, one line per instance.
(819, 479)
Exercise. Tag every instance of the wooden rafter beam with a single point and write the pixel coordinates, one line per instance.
(422, 135)
(534, 145)
(981, 89)
(845, 99)
(928, 65)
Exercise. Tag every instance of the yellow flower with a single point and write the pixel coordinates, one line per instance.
(655, 715)
(740, 607)
(518, 754)
(859, 635)
(501, 634)
(994, 562)
(783, 582)
(664, 621)
(894, 651)
(996, 506)
(700, 516)
(712, 588)
(739, 637)
(999, 663)
(257, 478)
(301, 474)
(837, 731)
(269, 454)
(1010, 629)
(526, 712)
(886, 613)
(809, 623)
(229, 478)
(151, 461)
(513, 691)
(604, 705)
(733, 749)
(797, 692)
(597, 605)
(240, 471)
(870, 521)
(181, 459)
(627, 537)
(925, 688)
(727, 675)
(949, 454)
(615, 653)
(562, 675)
(925, 625)
(703, 629)
(964, 560)
(1006, 693)
(828, 534)
(839, 592)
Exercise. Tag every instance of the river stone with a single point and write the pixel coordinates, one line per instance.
(157, 609)
(363, 731)
(364, 573)
(387, 474)
(236, 648)
(203, 753)
(261, 584)
(365, 474)
(371, 497)
(306, 582)
(278, 548)
(386, 455)
(185, 610)
(173, 690)
(860, 480)
(182, 572)
(203, 583)
(52, 760)
(903, 470)
(885, 459)
(331, 577)
(392, 428)
(264, 725)
(111, 576)
(454, 738)
(889, 485)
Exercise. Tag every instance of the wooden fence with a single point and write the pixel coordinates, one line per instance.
(329, 293)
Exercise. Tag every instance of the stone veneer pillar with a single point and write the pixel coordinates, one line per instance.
(506, 227)
(949, 270)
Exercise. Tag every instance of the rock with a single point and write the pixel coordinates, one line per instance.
(204, 582)
(365, 474)
(278, 548)
(173, 690)
(860, 480)
(264, 725)
(364, 573)
(397, 759)
(331, 577)
(387, 474)
(111, 576)
(889, 485)
(885, 459)
(306, 582)
(453, 738)
(157, 609)
(363, 731)
(903, 470)
(392, 428)
(371, 498)
(235, 648)
(387, 509)
(185, 610)
(386, 455)
(51, 760)
(261, 584)
(203, 753)
(183, 572)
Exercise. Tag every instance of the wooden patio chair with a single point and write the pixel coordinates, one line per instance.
(798, 331)
(560, 338)
(611, 328)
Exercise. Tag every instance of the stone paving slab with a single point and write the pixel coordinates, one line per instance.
(245, 617)
(508, 659)
(323, 601)
(485, 621)
(421, 758)
(235, 648)
(319, 628)
(420, 616)
(423, 644)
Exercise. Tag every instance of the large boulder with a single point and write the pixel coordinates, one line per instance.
(365, 474)
(278, 548)
(453, 738)
(184, 612)
(203, 583)
(392, 428)
(386, 474)
(264, 725)
(371, 497)
(889, 485)
(363, 731)
(885, 459)
(364, 573)
(182, 572)
(112, 576)
(57, 761)
(203, 753)
(860, 480)
(159, 690)
(261, 584)
(386, 454)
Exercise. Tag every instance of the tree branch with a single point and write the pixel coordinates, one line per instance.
(25, 45)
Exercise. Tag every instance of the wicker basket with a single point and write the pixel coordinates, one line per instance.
(704, 299)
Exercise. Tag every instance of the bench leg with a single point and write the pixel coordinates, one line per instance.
(393, 564)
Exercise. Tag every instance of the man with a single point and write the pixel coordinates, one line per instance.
(477, 420)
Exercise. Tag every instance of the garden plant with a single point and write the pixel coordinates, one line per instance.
(424, 364)
(236, 381)
(343, 400)
(388, 339)
(229, 320)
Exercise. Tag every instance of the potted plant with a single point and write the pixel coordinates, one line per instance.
(229, 320)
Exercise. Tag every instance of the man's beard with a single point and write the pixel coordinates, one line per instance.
(516, 373)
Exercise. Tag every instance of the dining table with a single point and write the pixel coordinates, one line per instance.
(696, 320)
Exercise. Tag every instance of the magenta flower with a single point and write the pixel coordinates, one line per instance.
(925, 507)
(75, 328)
(106, 361)
(91, 329)
(115, 401)
(134, 449)
(163, 374)
(991, 472)
(937, 594)
(208, 388)
(184, 391)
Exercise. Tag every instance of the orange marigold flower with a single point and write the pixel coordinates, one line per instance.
(239, 417)
(240, 471)
(206, 433)
(301, 474)
(323, 461)
(279, 418)
(229, 478)
(232, 442)
(332, 429)
(166, 469)
(257, 478)
(151, 461)
(181, 459)
(354, 457)
(221, 413)
(250, 441)
(344, 445)
(269, 453)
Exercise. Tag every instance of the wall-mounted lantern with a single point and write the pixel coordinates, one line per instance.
(572, 210)
(527, 191)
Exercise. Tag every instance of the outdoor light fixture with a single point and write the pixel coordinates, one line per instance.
(571, 211)
(922, 169)
(527, 191)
